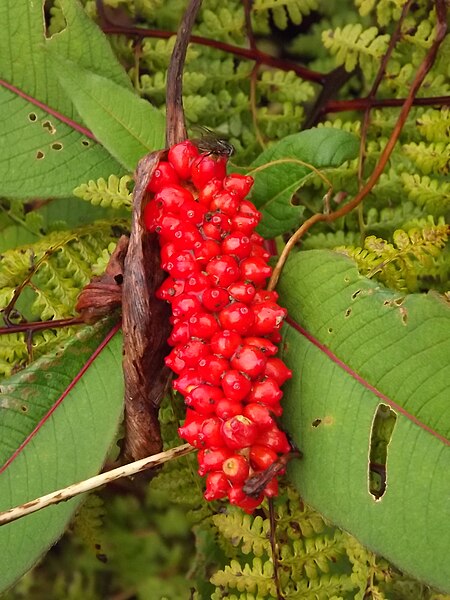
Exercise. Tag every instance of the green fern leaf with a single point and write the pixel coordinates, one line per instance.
(284, 11)
(426, 192)
(112, 193)
(250, 534)
(354, 45)
(311, 556)
(434, 125)
(429, 158)
(281, 86)
(256, 578)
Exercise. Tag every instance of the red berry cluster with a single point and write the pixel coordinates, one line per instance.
(225, 325)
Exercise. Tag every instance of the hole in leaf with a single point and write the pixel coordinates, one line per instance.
(316, 422)
(40, 155)
(356, 294)
(295, 200)
(404, 315)
(32, 117)
(24, 408)
(86, 143)
(348, 312)
(49, 127)
(330, 330)
(57, 146)
(381, 434)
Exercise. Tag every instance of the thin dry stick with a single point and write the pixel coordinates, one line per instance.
(93, 483)
(425, 66)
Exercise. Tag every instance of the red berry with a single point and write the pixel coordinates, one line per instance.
(188, 380)
(173, 197)
(203, 398)
(262, 344)
(259, 251)
(192, 352)
(191, 428)
(152, 215)
(174, 362)
(265, 295)
(203, 325)
(223, 270)
(244, 223)
(211, 460)
(226, 203)
(239, 184)
(238, 244)
(242, 292)
(255, 269)
(239, 432)
(181, 156)
(185, 305)
(217, 485)
(187, 237)
(163, 176)
(249, 209)
(193, 212)
(271, 488)
(268, 317)
(236, 468)
(210, 435)
(259, 414)
(205, 168)
(169, 289)
(197, 282)
(206, 194)
(168, 224)
(180, 265)
(236, 386)
(216, 226)
(180, 334)
(237, 317)
(266, 392)
(277, 370)
(227, 408)
(215, 299)
(211, 368)
(225, 343)
(261, 457)
(205, 250)
(249, 360)
(275, 439)
(237, 497)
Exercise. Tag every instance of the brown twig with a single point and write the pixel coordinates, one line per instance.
(274, 547)
(39, 326)
(424, 67)
(363, 103)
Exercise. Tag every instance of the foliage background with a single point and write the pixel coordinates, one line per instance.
(163, 537)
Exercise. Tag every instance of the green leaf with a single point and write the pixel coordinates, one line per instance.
(399, 346)
(43, 152)
(275, 185)
(49, 440)
(125, 124)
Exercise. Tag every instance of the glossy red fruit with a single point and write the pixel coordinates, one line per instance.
(236, 468)
(244, 223)
(217, 486)
(267, 391)
(204, 398)
(242, 292)
(173, 197)
(255, 269)
(215, 299)
(174, 362)
(205, 250)
(260, 252)
(167, 225)
(223, 270)
(262, 344)
(152, 214)
(259, 414)
(193, 212)
(206, 194)
(265, 295)
(211, 460)
(261, 457)
(185, 305)
(191, 429)
(188, 380)
(268, 317)
(192, 352)
(180, 334)
(210, 435)
(225, 343)
(271, 489)
(238, 244)
(203, 325)
(216, 226)
(197, 282)
(180, 265)
(249, 209)
(277, 370)
(163, 176)
(237, 497)
(169, 289)
(226, 203)
(275, 439)
(227, 408)
(237, 317)
(249, 360)
(211, 368)
(205, 168)
(181, 156)
(236, 386)
(239, 432)
(239, 184)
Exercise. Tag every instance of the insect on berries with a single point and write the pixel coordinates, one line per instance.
(225, 323)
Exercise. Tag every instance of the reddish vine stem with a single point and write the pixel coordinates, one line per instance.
(39, 326)
(425, 66)
(363, 103)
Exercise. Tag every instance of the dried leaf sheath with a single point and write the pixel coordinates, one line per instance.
(145, 327)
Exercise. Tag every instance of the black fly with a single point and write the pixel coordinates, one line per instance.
(211, 143)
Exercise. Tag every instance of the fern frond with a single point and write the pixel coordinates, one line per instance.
(250, 534)
(310, 556)
(282, 86)
(429, 158)
(353, 45)
(326, 587)
(225, 24)
(366, 568)
(330, 240)
(434, 125)
(386, 10)
(431, 194)
(87, 524)
(284, 11)
(113, 193)
(255, 578)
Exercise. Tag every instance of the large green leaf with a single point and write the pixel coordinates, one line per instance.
(53, 435)
(275, 185)
(394, 351)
